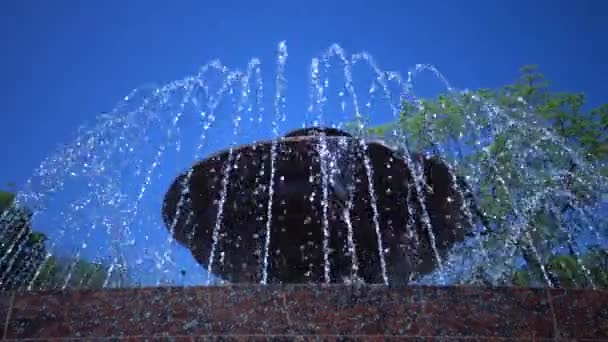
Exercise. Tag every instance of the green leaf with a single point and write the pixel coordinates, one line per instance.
(6, 200)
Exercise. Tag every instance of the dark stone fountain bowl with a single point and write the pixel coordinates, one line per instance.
(303, 227)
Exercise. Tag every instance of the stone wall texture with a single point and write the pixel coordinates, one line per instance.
(305, 312)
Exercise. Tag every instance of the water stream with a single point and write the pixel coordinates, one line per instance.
(98, 199)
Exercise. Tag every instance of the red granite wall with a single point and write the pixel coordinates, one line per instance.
(305, 312)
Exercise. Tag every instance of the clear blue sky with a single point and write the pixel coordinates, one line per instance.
(63, 62)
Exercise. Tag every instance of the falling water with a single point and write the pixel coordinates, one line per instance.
(228, 167)
(317, 100)
(280, 116)
(97, 198)
(412, 166)
(337, 51)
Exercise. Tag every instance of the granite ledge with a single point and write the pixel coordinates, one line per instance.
(329, 312)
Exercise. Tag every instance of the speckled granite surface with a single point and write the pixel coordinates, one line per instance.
(306, 312)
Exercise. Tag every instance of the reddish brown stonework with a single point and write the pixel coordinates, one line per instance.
(306, 312)
(124, 312)
(423, 311)
(580, 314)
(247, 310)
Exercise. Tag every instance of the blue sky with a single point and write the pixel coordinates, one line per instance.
(64, 62)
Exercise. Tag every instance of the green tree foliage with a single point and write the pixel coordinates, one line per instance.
(21, 250)
(70, 273)
(24, 258)
(6, 199)
(510, 142)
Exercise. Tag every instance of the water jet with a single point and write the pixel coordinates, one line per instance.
(297, 237)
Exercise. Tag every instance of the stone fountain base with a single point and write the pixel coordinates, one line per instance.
(305, 312)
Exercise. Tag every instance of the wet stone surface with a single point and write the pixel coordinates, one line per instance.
(87, 313)
(309, 312)
(580, 314)
(247, 310)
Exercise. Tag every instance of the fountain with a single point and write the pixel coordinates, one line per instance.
(334, 229)
(374, 252)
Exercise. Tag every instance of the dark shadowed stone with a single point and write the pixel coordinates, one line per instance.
(296, 253)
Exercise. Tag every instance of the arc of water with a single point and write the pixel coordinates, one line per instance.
(83, 141)
(545, 135)
(68, 277)
(553, 209)
(317, 101)
(87, 142)
(324, 155)
(510, 243)
(507, 122)
(410, 230)
(419, 181)
(259, 91)
(575, 203)
(15, 256)
(233, 77)
(62, 232)
(40, 200)
(188, 86)
(259, 96)
(517, 213)
(210, 119)
(11, 261)
(530, 242)
(67, 157)
(352, 248)
(269, 214)
(584, 216)
(336, 50)
(98, 191)
(280, 115)
(67, 160)
(15, 241)
(543, 268)
(465, 204)
(89, 172)
(43, 169)
(347, 173)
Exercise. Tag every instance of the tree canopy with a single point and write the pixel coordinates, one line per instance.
(24, 261)
(537, 162)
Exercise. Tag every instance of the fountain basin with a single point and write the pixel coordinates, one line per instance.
(220, 209)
